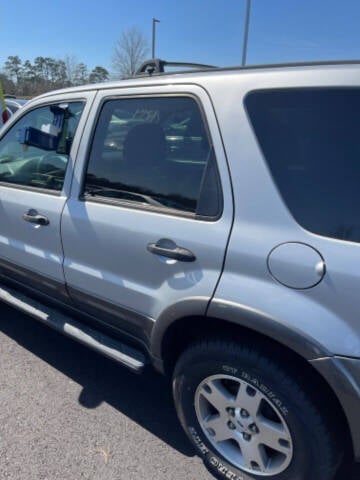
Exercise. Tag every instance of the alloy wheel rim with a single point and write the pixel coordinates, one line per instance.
(243, 425)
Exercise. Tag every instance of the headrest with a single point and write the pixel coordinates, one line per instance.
(145, 143)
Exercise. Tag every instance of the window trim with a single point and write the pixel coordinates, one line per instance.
(30, 188)
(136, 205)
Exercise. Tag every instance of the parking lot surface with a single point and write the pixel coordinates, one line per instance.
(69, 413)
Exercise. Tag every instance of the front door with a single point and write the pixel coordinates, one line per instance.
(149, 216)
(35, 159)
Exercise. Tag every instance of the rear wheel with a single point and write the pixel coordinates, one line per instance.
(249, 417)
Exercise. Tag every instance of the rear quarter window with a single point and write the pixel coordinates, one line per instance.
(310, 139)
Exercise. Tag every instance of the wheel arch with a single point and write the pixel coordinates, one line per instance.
(195, 316)
(292, 346)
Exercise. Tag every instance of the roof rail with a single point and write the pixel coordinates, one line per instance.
(155, 65)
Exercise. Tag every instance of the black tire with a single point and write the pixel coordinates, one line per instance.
(315, 451)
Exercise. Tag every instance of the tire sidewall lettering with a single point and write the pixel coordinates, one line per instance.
(215, 462)
(253, 380)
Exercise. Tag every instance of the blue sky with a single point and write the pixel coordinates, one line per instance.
(207, 31)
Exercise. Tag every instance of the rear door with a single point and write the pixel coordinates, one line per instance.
(36, 165)
(150, 212)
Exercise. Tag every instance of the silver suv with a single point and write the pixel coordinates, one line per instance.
(205, 223)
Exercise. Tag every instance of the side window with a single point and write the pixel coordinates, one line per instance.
(154, 152)
(310, 141)
(35, 151)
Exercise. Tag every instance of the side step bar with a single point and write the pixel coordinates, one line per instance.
(118, 351)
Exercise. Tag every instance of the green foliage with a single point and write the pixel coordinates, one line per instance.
(26, 78)
(98, 74)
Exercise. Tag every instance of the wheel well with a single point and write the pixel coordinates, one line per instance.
(184, 332)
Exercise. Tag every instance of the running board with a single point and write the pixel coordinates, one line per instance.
(118, 351)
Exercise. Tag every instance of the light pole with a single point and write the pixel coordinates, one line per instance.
(246, 31)
(154, 21)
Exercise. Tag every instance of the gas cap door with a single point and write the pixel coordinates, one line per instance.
(296, 265)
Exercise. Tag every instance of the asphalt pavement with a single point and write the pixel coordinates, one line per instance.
(68, 413)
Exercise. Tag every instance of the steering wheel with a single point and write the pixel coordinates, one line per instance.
(50, 162)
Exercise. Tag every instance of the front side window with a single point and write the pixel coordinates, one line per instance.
(152, 152)
(35, 151)
(310, 140)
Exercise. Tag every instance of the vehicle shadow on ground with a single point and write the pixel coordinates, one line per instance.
(146, 399)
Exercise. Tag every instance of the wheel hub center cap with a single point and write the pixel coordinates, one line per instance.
(244, 425)
(241, 425)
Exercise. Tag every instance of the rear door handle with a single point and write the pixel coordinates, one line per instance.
(176, 253)
(33, 216)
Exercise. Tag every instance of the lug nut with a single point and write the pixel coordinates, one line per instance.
(246, 436)
(231, 426)
(231, 411)
(254, 428)
(244, 413)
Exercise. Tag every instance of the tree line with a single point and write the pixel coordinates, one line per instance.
(24, 78)
(27, 79)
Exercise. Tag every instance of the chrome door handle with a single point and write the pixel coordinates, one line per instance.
(176, 253)
(33, 216)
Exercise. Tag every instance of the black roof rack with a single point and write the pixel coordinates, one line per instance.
(155, 65)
